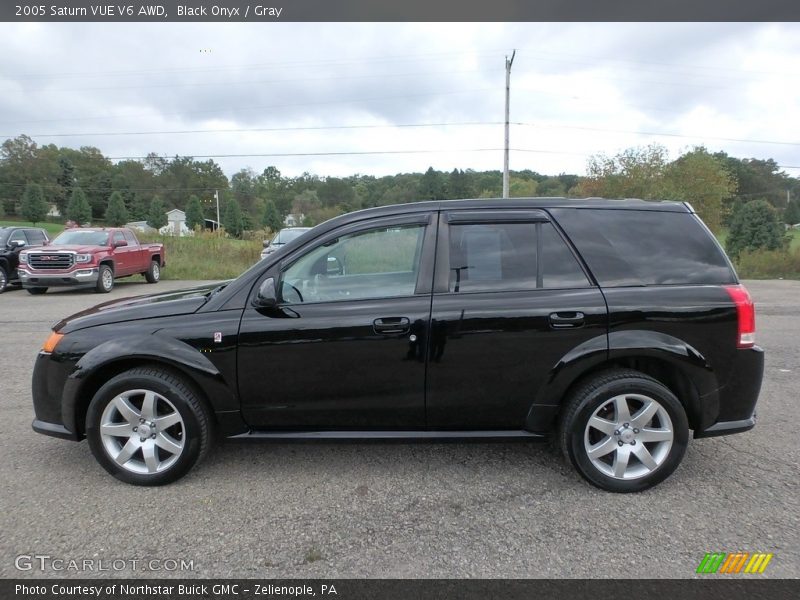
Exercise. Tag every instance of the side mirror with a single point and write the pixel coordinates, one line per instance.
(120, 243)
(265, 243)
(16, 244)
(266, 297)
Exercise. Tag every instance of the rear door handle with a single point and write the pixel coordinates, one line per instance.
(392, 325)
(565, 320)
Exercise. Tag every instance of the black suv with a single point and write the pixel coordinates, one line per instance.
(12, 240)
(615, 327)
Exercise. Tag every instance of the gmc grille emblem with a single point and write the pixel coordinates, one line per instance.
(49, 257)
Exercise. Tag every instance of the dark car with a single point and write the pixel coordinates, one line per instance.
(12, 241)
(613, 327)
(284, 236)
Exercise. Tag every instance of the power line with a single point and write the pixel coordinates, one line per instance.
(258, 129)
(659, 134)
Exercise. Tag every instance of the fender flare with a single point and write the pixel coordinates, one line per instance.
(618, 345)
(156, 349)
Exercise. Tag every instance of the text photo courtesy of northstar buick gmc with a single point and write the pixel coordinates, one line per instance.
(612, 327)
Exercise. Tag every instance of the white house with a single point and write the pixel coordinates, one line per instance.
(294, 219)
(176, 224)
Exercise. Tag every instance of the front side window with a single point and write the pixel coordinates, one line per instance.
(118, 237)
(18, 236)
(511, 256)
(35, 237)
(377, 263)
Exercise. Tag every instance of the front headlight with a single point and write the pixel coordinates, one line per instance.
(23, 258)
(83, 258)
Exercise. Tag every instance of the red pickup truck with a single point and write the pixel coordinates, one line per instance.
(89, 257)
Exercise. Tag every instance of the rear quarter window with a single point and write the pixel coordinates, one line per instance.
(645, 247)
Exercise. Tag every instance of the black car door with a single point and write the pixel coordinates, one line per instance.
(510, 301)
(344, 349)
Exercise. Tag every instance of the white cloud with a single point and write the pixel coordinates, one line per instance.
(580, 89)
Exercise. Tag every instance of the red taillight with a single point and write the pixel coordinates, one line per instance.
(746, 313)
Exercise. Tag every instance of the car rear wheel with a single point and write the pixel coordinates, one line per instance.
(624, 431)
(37, 291)
(3, 280)
(153, 273)
(105, 280)
(147, 427)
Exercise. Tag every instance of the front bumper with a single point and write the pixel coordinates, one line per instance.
(50, 374)
(75, 278)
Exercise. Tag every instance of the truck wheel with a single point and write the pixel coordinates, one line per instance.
(105, 280)
(624, 431)
(38, 291)
(153, 274)
(3, 280)
(146, 427)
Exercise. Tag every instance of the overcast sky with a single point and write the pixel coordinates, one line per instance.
(577, 89)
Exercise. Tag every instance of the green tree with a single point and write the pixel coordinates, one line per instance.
(65, 181)
(754, 226)
(271, 218)
(2, 209)
(139, 208)
(116, 213)
(78, 209)
(34, 207)
(703, 180)
(157, 215)
(791, 215)
(232, 220)
(194, 213)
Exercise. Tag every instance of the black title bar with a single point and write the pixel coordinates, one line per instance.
(271, 11)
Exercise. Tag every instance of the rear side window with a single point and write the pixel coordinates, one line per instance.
(511, 256)
(129, 237)
(630, 247)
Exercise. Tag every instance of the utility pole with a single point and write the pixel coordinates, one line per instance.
(216, 197)
(509, 62)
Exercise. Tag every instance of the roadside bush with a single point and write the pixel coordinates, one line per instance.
(769, 264)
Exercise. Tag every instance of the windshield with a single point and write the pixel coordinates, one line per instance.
(287, 235)
(80, 237)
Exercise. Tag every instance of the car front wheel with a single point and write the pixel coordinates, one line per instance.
(624, 431)
(146, 427)
(105, 280)
(3, 280)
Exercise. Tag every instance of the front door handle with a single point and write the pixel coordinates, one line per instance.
(392, 325)
(564, 320)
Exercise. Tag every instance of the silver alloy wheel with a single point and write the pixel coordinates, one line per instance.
(142, 432)
(3, 279)
(628, 445)
(108, 279)
(156, 271)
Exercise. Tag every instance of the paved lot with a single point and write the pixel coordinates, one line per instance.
(400, 510)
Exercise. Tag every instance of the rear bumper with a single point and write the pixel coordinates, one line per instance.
(727, 428)
(735, 408)
(75, 278)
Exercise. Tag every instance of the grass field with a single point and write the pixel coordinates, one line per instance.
(52, 229)
(205, 256)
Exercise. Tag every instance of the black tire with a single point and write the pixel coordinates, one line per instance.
(105, 280)
(37, 291)
(194, 431)
(153, 273)
(602, 394)
(3, 279)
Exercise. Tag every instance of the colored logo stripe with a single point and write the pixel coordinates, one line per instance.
(735, 562)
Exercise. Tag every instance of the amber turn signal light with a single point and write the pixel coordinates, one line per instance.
(52, 342)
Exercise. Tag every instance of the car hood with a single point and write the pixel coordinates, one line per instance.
(52, 248)
(180, 302)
